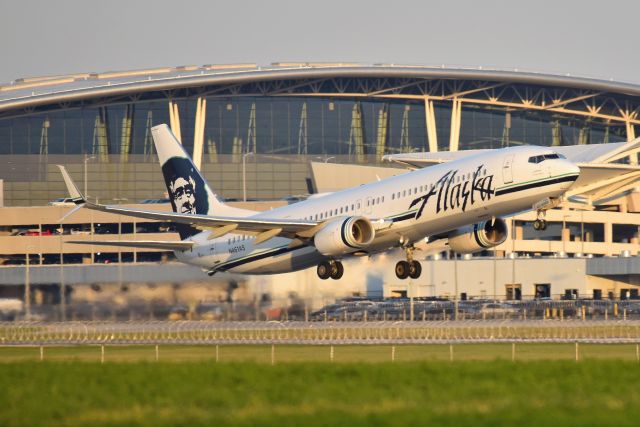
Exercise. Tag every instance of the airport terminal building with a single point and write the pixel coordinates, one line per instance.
(289, 129)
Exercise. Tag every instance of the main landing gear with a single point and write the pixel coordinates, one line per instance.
(330, 269)
(409, 268)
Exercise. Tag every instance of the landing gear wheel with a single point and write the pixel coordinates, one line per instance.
(402, 269)
(337, 271)
(324, 270)
(539, 225)
(415, 269)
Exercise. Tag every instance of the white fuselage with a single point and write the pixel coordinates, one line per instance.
(415, 205)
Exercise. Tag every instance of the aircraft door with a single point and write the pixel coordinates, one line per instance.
(369, 205)
(507, 169)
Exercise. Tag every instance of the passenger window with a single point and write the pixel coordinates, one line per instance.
(340, 210)
(393, 196)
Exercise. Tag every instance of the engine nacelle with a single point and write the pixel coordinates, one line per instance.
(478, 237)
(344, 235)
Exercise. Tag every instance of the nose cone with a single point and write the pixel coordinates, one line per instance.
(567, 172)
(570, 168)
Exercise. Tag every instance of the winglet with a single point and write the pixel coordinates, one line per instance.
(74, 193)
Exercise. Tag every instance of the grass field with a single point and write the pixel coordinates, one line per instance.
(474, 393)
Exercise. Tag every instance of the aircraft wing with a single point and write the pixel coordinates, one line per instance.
(263, 228)
(148, 244)
(208, 222)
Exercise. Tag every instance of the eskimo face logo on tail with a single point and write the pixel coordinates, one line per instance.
(455, 190)
(183, 195)
(186, 187)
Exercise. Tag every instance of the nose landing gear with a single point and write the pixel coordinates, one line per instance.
(541, 209)
(330, 269)
(540, 223)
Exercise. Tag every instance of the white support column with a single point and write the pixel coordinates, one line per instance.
(631, 131)
(608, 235)
(631, 135)
(454, 136)
(198, 132)
(174, 120)
(430, 120)
(176, 116)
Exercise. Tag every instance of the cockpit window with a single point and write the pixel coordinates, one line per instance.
(541, 158)
(535, 159)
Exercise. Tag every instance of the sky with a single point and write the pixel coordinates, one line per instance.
(593, 39)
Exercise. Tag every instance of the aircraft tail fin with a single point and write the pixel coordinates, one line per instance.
(187, 188)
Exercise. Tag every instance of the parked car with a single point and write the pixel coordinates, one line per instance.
(10, 308)
(497, 308)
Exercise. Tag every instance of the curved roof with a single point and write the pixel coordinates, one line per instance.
(30, 92)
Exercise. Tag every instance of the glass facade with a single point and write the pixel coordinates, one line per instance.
(295, 125)
(111, 129)
(285, 131)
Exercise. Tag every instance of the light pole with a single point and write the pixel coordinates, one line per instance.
(495, 279)
(244, 175)
(562, 236)
(27, 285)
(455, 285)
(86, 159)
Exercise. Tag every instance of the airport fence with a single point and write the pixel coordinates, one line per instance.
(318, 333)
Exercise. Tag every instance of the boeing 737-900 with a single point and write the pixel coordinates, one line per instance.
(461, 201)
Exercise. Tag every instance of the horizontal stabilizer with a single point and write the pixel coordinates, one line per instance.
(147, 244)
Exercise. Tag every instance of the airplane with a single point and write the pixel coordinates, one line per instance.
(462, 201)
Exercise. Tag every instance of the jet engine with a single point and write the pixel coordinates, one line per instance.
(478, 237)
(344, 235)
